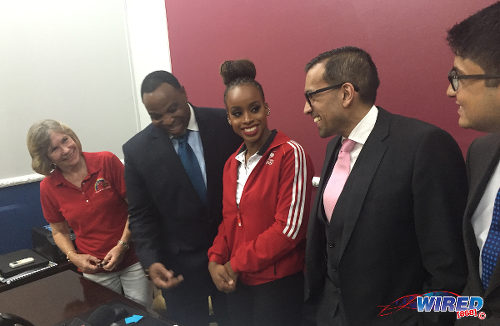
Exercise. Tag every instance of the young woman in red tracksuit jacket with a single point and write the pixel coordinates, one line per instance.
(258, 254)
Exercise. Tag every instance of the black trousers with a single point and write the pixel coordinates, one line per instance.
(187, 304)
(191, 308)
(275, 303)
(330, 310)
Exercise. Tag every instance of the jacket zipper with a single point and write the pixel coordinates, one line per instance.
(238, 218)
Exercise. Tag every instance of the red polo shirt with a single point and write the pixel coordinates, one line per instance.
(97, 212)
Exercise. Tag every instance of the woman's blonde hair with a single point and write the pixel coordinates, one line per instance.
(38, 141)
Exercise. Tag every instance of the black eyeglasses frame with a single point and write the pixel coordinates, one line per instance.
(309, 94)
(454, 77)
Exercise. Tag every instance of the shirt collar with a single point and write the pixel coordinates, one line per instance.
(92, 168)
(264, 147)
(241, 157)
(364, 127)
(193, 124)
(56, 177)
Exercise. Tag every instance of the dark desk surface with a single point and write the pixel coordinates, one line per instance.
(57, 298)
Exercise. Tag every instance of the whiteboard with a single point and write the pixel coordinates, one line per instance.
(66, 60)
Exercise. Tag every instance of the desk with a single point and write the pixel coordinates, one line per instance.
(36, 276)
(57, 298)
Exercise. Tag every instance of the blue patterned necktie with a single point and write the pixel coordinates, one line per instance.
(491, 247)
(191, 165)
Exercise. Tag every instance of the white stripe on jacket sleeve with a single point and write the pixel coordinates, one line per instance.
(296, 211)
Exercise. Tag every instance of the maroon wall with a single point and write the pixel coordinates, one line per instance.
(405, 38)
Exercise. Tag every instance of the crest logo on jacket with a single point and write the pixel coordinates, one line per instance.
(270, 159)
(101, 184)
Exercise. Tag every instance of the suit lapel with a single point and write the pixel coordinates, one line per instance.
(162, 147)
(315, 248)
(325, 174)
(163, 151)
(351, 199)
(482, 174)
(483, 171)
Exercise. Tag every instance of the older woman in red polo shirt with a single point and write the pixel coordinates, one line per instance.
(86, 191)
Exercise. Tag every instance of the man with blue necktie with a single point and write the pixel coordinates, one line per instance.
(173, 173)
(475, 85)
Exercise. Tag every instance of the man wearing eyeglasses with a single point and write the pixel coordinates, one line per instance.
(386, 220)
(475, 85)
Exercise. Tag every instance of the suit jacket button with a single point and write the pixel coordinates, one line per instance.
(331, 244)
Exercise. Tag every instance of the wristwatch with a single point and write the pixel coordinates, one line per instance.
(124, 244)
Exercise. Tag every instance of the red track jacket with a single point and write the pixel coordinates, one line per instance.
(265, 237)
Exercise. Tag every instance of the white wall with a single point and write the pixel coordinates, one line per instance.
(149, 46)
(81, 62)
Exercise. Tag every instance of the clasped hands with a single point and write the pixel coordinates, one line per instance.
(223, 276)
(90, 264)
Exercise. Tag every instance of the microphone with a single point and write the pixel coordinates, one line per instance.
(120, 313)
(102, 316)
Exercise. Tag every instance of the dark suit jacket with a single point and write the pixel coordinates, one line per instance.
(396, 228)
(482, 159)
(168, 220)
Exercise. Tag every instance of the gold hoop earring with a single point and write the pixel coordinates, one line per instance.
(228, 121)
(268, 111)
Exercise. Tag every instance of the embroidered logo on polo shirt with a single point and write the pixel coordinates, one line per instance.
(101, 184)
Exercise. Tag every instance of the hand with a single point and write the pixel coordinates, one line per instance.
(162, 277)
(113, 258)
(221, 277)
(230, 271)
(85, 262)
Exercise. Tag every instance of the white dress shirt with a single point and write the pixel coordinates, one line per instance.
(481, 219)
(361, 132)
(244, 170)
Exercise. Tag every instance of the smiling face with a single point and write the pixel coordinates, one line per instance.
(247, 114)
(479, 105)
(63, 151)
(326, 107)
(167, 106)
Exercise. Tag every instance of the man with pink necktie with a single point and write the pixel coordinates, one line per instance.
(386, 222)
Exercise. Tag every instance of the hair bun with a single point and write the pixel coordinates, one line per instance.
(232, 70)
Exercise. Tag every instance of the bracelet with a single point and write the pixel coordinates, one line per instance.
(68, 252)
(123, 244)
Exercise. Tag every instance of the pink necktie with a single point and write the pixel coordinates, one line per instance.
(338, 178)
